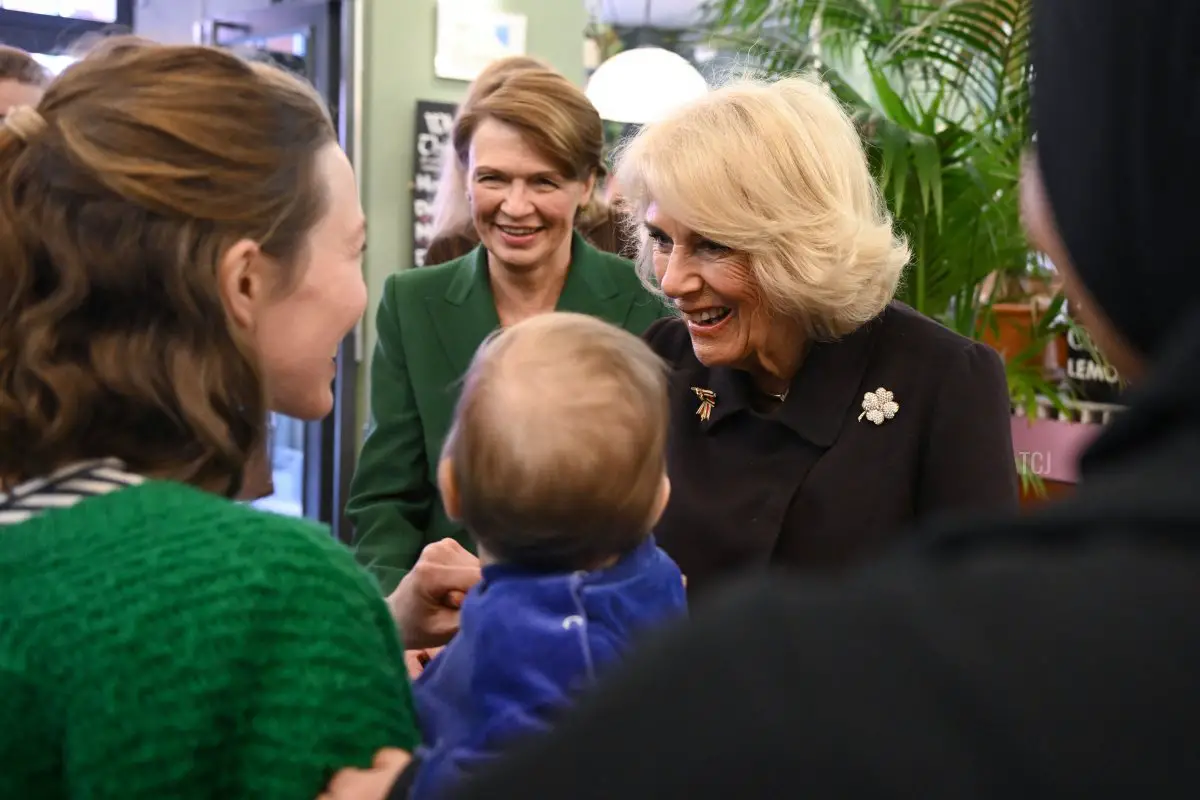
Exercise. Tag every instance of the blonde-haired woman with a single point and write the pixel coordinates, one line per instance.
(454, 232)
(813, 416)
(530, 151)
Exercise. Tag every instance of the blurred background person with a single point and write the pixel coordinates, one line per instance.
(22, 79)
(531, 152)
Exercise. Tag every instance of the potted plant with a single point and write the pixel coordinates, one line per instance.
(940, 91)
(1015, 300)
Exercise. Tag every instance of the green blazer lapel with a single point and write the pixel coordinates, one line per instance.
(591, 288)
(465, 314)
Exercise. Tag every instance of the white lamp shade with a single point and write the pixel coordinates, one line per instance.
(641, 85)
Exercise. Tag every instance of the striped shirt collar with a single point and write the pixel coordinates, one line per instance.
(64, 488)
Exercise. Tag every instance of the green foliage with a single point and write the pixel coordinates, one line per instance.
(940, 91)
(1031, 483)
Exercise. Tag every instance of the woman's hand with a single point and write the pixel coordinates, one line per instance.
(426, 603)
(368, 784)
(417, 660)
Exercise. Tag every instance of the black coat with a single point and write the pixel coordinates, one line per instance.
(814, 485)
(1045, 657)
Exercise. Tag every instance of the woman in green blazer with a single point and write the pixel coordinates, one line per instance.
(530, 147)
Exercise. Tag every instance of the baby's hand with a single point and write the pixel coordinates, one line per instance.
(368, 784)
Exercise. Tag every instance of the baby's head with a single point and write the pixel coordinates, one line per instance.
(556, 457)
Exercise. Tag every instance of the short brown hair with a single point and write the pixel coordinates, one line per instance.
(494, 73)
(558, 444)
(17, 65)
(553, 115)
(153, 161)
(451, 211)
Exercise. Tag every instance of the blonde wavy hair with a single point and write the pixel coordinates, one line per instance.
(776, 171)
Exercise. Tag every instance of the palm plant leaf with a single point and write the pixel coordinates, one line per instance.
(944, 107)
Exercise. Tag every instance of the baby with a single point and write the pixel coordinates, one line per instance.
(555, 464)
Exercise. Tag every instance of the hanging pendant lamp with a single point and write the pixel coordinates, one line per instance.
(641, 85)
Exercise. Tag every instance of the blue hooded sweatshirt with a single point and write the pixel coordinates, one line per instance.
(528, 642)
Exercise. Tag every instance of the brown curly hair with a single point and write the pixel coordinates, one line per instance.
(114, 340)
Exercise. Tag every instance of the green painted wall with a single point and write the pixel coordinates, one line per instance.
(398, 49)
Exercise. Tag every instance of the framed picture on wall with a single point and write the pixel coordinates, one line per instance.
(469, 38)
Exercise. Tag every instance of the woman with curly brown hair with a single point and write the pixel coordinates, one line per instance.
(180, 252)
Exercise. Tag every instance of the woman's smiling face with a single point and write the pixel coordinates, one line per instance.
(715, 289)
(523, 208)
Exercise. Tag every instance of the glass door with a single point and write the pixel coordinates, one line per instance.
(311, 462)
(288, 441)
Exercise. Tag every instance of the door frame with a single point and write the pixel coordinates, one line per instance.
(335, 37)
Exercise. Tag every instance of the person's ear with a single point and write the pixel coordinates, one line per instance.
(660, 502)
(242, 282)
(448, 487)
(589, 188)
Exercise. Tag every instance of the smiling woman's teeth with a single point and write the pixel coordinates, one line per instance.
(517, 231)
(708, 316)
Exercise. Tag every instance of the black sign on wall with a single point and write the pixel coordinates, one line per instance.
(434, 121)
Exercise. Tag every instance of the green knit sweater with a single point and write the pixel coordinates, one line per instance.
(160, 642)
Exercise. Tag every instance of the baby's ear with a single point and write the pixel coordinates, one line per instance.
(449, 489)
(660, 503)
